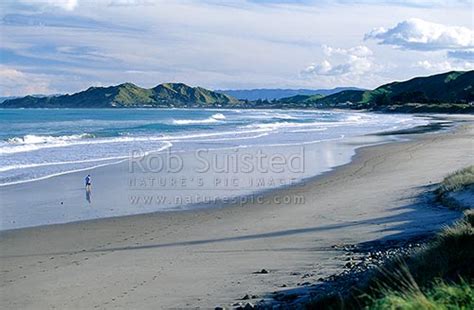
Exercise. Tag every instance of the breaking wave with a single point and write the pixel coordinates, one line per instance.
(213, 119)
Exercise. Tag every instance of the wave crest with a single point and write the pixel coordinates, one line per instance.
(34, 139)
(213, 119)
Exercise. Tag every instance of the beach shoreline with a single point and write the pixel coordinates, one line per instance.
(360, 142)
(208, 257)
(128, 187)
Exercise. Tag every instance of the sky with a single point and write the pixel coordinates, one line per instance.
(64, 46)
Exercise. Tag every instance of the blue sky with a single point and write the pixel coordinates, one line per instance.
(63, 46)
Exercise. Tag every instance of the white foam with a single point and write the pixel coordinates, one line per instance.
(218, 116)
(34, 139)
(350, 120)
(213, 119)
(12, 148)
(43, 142)
(278, 125)
(45, 164)
(308, 130)
(354, 118)
(236, 138)
(119, 160)
(271, 115)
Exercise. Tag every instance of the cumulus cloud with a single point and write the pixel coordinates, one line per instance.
(215, 44)
(15, 82)
(418, 34)
(359, 51)
(353, 61)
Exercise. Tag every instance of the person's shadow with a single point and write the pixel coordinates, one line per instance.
(88, 194)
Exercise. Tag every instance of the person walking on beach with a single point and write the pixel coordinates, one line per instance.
(88, 182)
(88, 188)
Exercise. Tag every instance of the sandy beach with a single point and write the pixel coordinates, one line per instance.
(210, 257)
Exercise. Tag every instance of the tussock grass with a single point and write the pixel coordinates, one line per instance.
(439, 276)
(458, 180)
(449, 255)
(442, 296)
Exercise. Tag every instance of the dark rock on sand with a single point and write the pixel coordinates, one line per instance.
(263, 271)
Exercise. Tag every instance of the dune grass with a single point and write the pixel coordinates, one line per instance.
(456, 181)
(441, 296)
(461, 180)
(439, 276)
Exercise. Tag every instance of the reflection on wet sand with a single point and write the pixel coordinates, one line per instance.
(88, 194)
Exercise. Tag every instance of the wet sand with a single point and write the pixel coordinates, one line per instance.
(209, 257)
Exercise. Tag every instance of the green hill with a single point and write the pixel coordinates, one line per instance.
(450, 87)
(341, 98)
(451, 92)
(446, 92)
(301, 98)
(128, 95)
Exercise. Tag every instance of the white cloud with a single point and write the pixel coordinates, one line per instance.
(68, 5)
(418, 34)
(437, 66)
(354, 61)
(215, 44)
(130, 2)
(410, 3)
(444, 65)
(15, 82)
(359, 51)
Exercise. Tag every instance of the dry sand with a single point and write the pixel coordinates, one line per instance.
(208, 257)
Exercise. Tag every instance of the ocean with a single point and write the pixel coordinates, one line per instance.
(144, 160)
(41, 143)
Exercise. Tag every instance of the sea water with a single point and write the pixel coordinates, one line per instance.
(36, 144)
(215, 148)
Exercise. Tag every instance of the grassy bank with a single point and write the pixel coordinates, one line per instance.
(457, 189)
(441, 296)
(457, 181)
(440, 275)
